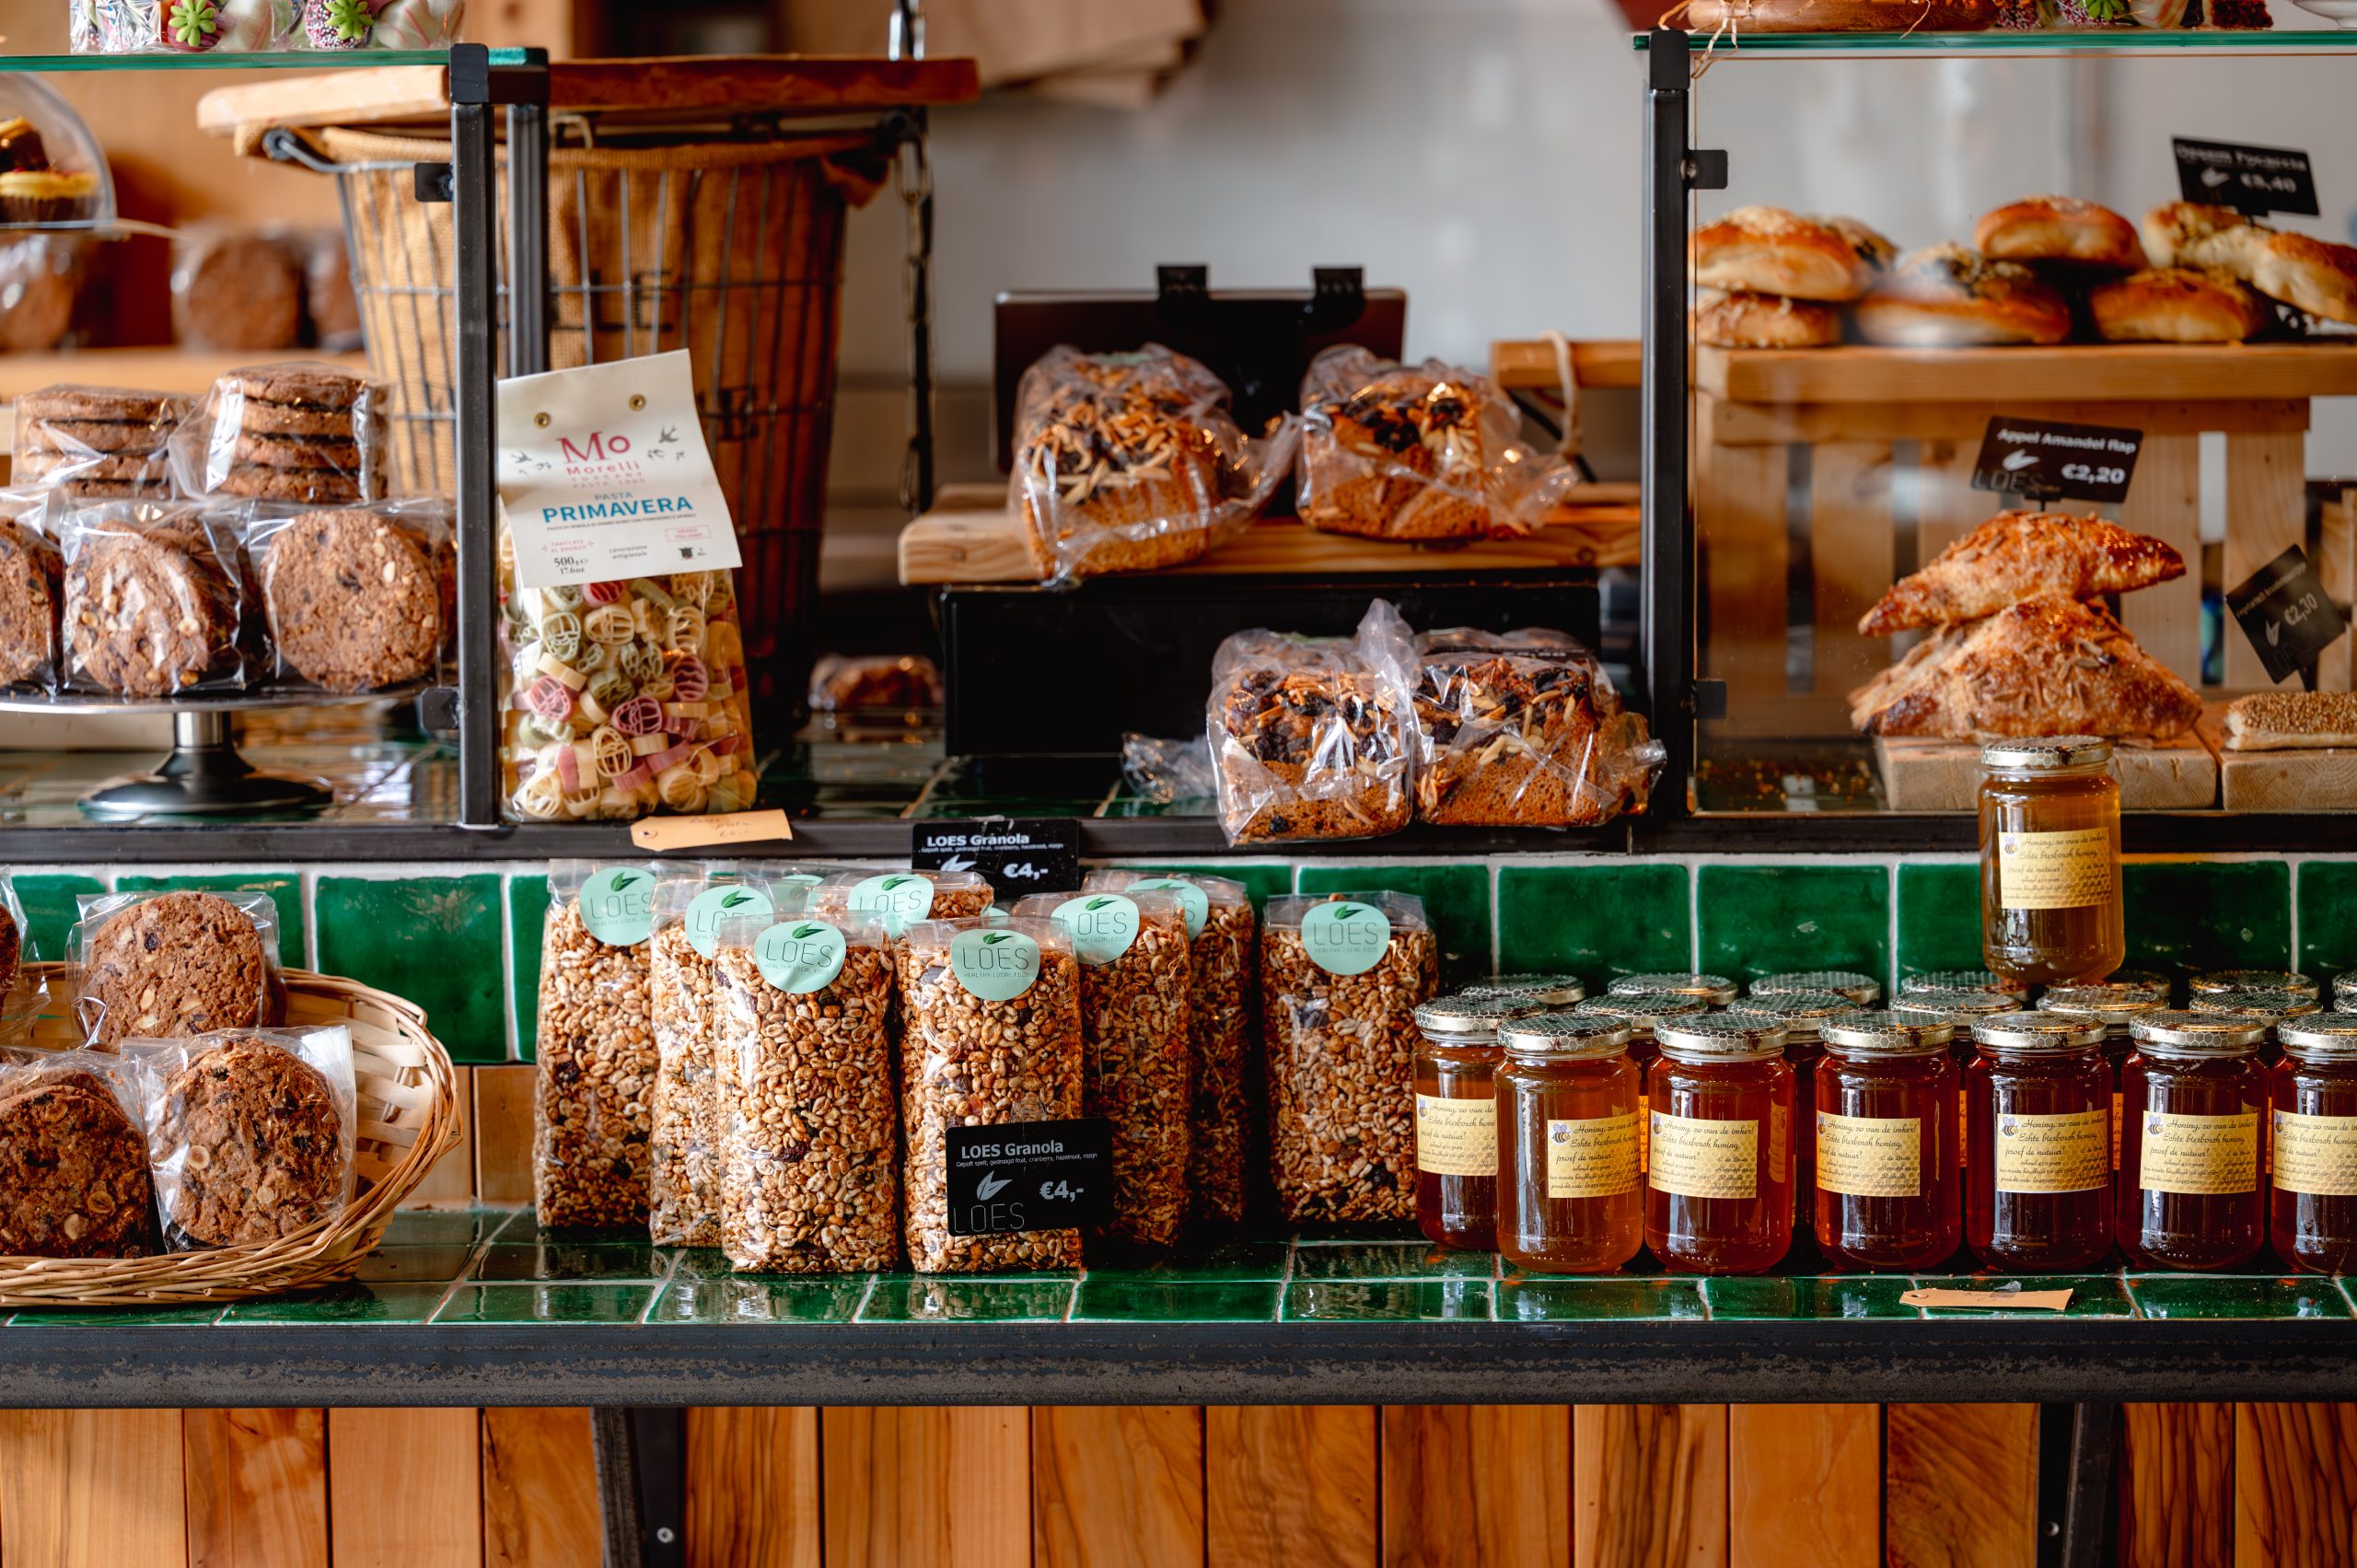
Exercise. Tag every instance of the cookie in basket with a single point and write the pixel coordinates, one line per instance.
(178, 963)
(73, 1179)
(263, 1144)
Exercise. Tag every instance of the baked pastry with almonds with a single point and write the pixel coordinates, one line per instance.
(1764, 320)
(2023, 555)
(2291, 721)
(2177, 305)
(1948, 297)
(1770, 250)
(2059, 230)
(2050, 666)
(2314, 275)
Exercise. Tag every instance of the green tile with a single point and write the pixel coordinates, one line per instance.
(2236, 1296)
(1263, 882)
(528, 911)
(2091, 1295)
(2209, 914)
(601, 1304)
(446, 1227)
(944, 1299)
(433, 940)
(571, 1260)
(1127, 1300)
(117, 1317)
(439, 1261)
(1542, 1298)
(1391, 1260)
(1217, 1263)
(1939, 918)
(1456, 900)
(2327, 891)
(1757, 919)
(50, 909)
(1598, 921)
(761, 1300)
(285, 891)
(352, 1302)
(1769, 1296)
(1335, 1301)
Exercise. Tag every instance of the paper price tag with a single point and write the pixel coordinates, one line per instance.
(2045, 459)
(2251, 180)
(2284, 610)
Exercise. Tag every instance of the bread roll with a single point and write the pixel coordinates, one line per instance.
(2176, 304)
(2189, 234)
(2314, 275)
(1947, 296)
(1765, 320)
(1770, 250)
(2058, 228)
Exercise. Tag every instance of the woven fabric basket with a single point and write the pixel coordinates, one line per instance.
(409, 1118)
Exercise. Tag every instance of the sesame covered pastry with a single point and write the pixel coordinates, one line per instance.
(2291, 721)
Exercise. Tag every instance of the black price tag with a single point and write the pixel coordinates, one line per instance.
(1017, 854)
(2285, 612)
(2251, 179)
(1030, 1176)
(2042, 460)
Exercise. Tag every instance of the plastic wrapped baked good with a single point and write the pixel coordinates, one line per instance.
(41, 277)
(15, 947)
(1312, 737)
(625, 699)
(97, 443)
(33, 588)
(187, 26)
(154, 597)
(847, 681)
(301, 430)
(692, 904)
(1341, 979)
(237, 290)
(175, 962)
(592, 1109)
(1523, 729)
(899, 898)
(355, 598)
(1427, 451)
(74, 1179)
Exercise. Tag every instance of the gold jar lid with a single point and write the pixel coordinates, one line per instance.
(1962, 1006)
(1800, 1011)
(1642, 1012)
(1944, 983)
(2115, 1006)
(2036, 753)
(1564, 1036)
(1471, 1021)
(1887, 1033)
(2150, 982)
(1861, 989)
(1554, 990)
(1716, 990)
(2190, 1033)
(1720, 1037)
(2321, 1037)
(2271, 1006)
(2214, 981)
(2035, 1032)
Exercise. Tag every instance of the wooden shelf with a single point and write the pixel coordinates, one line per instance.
(2102, 372)
(1530, 365)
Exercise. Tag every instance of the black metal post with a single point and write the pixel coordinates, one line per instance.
(474, 215)
(613, 1441)
(527, 238)
(2087, 1514)
(1666, 636)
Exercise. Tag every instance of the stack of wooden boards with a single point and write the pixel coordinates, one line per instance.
(1105, 54)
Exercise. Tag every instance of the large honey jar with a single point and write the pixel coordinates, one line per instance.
(1885, 1135)
(2037, 1145)
(1456, 1116)
(1719, 1181)
(2051, 911)
(2191, 1143)
(2313, 1141)
(1570, 1191)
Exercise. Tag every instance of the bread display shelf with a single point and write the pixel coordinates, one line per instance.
(2297, 779)
(2314, 367)
(1924, 775)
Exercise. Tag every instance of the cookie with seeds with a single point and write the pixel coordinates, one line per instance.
(74, 1179)
(262, 1143)
(355, 599)
(178, 963)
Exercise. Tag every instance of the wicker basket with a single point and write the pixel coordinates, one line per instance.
(409, 1119)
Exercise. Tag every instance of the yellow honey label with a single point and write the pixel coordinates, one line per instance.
(2198, 1153)
(2054, 871)
(2119, 1103)
(1963, 1124)
(1780, 1144)
(1695, 1158)
(2070, 1153)
(1456, 1137)
(1645, 1130)
(2315, 1153)
(1592, 1157)
(1870, 1156)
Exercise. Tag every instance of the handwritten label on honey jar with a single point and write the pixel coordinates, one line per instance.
(1591, 1157)
(2198, 1153)
(1456, 1137)
(2064, 870)
(1870, 1156)
(1694, 1158)
(2315, 1153)
(2070, 1153)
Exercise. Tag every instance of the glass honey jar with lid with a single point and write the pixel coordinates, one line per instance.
(1719, 1172)
(2195, 1096)
(2115, 1007)
(1711, 990)
(2312, 1143)
(1555, 990)
(2344, 992)
(2211, 982)
(1885, 1192)
(1802, 1013)
(2142, 983)
(2272, 1008)
(1933, 983)
(1640, 1011)
(1571, 1186)
(1959, 1008)
(1456, 1116)
(2051, 910)
(1860, 990)
(2037, 1159)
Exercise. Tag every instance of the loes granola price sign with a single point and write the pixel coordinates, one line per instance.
(1030, 1176)
(1016, 855)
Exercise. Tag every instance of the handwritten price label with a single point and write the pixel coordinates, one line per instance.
(2251, 180)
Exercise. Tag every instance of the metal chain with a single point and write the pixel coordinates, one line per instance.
(912, 178)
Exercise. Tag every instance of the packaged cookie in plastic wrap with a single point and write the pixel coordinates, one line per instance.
(154, 602)
(1523, 729)
(74, 1179)
(32, 590)
(842, 683)
(353, 599)
(302, 430)
(990, 1018)
(1313, 738)
(593, 1102)
(1137, 1051)
(97, 443)
(1417, 452)
(1341, 978)
(1224, 1000)
(1126, 463)
(625, 698)
(809, 1176)
(41, 279)
(177, 961)
(237, 290)
(249, 1132)
(899, 898)
(16, 952)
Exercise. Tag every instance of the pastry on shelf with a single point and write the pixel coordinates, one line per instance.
(2314, 275)
(1745, 320)
(2177, 305)
(2061, 230)
(2023, 555)
(2291, 721)
(1949, 297)
(1769, 250)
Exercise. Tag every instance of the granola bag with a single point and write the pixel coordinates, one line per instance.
(1137, 1062)
(1127, 462)
(1341, 978)
(32, 590)
(154, 599)
(1223, 954)
(592, 1106)
(1417, 452)
(353, 599)
(173, 961)
(1312, 737)
(1523, 729)
(249, 1132)
(989, 1017)
(74, 1179)
(900, 899)
(809, 1176)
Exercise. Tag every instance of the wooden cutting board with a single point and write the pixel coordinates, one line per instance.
(1740, 16)
(2324, 779)
(1920, 774)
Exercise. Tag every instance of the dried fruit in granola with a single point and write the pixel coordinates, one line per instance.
(1524, 728)
(592, 1109)
(1311, 738)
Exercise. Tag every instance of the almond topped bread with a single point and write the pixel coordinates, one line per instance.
(2019, 556)
(2287, 721)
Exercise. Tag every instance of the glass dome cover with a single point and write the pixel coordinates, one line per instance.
(52, 171)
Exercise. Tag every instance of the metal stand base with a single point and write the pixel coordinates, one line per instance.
(203, 776)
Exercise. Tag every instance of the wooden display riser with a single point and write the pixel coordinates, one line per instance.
(1945, 775)
(2321, 780)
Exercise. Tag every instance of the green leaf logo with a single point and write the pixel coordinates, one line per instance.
(735, 897)
(1347, 911)
(892, 882)
(993, 938)
(630, 878)
(1095, 903)
(803, 932)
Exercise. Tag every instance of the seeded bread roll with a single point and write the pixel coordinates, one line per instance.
(2059, 229)
(1765, 320)
(2176, 304)
(1947, 296)
(2287, 721)
(1770, 250)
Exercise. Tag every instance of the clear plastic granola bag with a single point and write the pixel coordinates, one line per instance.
(75, 1150)
(1341, 979)
(1523, 729)
(32, 592)
(1137, 1049)
(593, 1102)
(353, 599)
(900, 899)
(1313, 738)
(1010, 1052)
(692, 904)
(1417, 452)
(154, 599)
(1223, 965)
(249, 1132)
(172, 961)
(1127, 462)
(809, 1168)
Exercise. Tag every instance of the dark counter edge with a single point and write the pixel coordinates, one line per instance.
(1842, 1361)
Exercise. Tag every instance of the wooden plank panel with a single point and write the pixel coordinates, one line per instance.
(1803, 1485)
(2067, 373)
(1946, 507)
(1530, 365)
(1850, 551)
(2165, 501)
(1753, 424)
(540, 1489)
(1117, 1486)
(1649, 1486)
(1960, 1486)
(1921, 773)
(2295, 1486)
(2176, 1470)
(2266, 512)
(92, 1489)
(753, 1489)
(405, 1488)
(2336, 563)
(257, 1487)
(503, 1130)
(926, 1488)
(1290, 1486)
(1741, 553)
(1476, 1483)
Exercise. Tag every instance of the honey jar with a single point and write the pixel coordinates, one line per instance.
(2143, 982)
(1928, 984)
(2050, 902)
(1456, 1116)
(2189, 1192)
(1862, 989)
(1642, 1011)
(2211, 982)
(2270, 1008)
(1719, 1181)
(1801, 1013)
(2313, 1141)
(2037, 1145)
(1885, 1192)
(2115, 1006)
(1554, 990)
(1570, 1191)
(2344, 990)
(1710, 990)
(1959, 1008)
